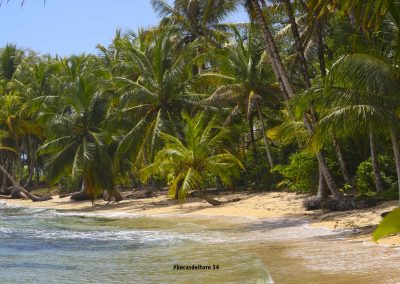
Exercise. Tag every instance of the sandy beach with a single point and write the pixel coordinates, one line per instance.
(253, 206)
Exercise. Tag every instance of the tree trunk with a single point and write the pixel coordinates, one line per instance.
(323, 191)
(37, 172)
(5, 197)
(320, 43)
(375, 163)
(31, 173)
(342, 163)
(287, 90)
(298, 43)
(323, 165)
(396, 150)
(264, 135)
(273, 55)
(252, 138)
(32, 197)
(208, 199)
(4, 184)
(117, 195)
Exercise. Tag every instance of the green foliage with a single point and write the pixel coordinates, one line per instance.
(69, 184)
(301, 174)
(257, 176)
(389, 225)
(189, 161)
(365, 177)
(119, 114)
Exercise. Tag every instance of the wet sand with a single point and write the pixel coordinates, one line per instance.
(252, 206)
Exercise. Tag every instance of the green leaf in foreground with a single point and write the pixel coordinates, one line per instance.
(389, 225)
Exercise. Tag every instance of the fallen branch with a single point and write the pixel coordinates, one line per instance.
(5, 197)
(32, 197)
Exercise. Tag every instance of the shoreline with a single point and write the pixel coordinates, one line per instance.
(253, 207)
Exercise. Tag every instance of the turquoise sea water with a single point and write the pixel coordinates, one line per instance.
(48, 246)
(45, 246)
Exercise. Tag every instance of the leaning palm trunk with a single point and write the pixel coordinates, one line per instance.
(307, 81)
(375, 163)
(4, 184)
(396, 150)
(323, 191)
(288, 92)
(323, 166)
(266, 143)
(32, 197)
(298, 43)
(342, 163)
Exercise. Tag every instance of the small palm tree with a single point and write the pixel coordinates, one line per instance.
(198, 155)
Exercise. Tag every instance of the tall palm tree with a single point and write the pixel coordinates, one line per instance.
(151, 100)
(10, 59)
(197, 155)
(256, 12)
(77, 142)
(242, 81)
(362, 96)
(198, 19)
(38, 82)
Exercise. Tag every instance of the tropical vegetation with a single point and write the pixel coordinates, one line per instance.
(302, 97)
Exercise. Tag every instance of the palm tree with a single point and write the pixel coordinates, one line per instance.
(77, 142)
(150, 101)
(10, 59)
(286, 88)
(198, 19)
(38, 83)
(362, 96)
(194, 157)
(16, 125)
(242, 81)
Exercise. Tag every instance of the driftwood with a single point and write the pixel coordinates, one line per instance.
(65, 195)
(84, 196)
(29, 195)
(80, 196)
(5, 197)
(139, 194)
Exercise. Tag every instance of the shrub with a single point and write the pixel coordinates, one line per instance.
(301, 175)
(365, 176)
(68, 184)
(257, 175)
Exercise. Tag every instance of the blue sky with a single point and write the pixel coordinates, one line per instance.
(66, 27)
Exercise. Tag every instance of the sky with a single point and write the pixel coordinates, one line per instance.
(66, 27)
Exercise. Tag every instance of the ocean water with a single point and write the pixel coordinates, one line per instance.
(45, 246)
(48, 246)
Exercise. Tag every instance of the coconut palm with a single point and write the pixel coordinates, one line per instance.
(10, 59)
(362, 97)
(242, 81)
(256, 12)
(198, 19)
(195, 157)
(38, 82)
(77, 143)
(151, 100)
